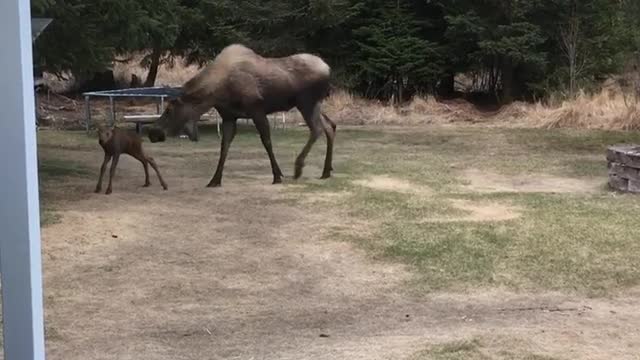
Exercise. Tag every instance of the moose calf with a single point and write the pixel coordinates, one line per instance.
(116, 141)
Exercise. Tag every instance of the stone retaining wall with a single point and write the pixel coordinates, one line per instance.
(623, 162)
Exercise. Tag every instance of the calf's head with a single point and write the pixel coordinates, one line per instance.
(104, 134)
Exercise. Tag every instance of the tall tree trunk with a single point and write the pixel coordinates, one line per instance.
(446, 88)
(570, 36)
(400, 87)
(507, 81)
(153, 68)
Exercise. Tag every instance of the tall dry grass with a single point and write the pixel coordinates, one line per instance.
(351, 109)
(168, 75)
(604, 110)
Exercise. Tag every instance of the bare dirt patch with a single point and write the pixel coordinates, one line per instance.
(327, 196)
(480, 212)
(244, 272)
(388, 183)
(488, 182)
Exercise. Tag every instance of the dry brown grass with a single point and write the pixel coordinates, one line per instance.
(604, 110)
(168, 75)
(351, 109)
(174, 74)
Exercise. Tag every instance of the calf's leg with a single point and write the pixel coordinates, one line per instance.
(112, 172)
(155, 168)
(141, 157)
(103, 167)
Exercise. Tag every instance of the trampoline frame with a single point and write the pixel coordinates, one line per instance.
(150, 92)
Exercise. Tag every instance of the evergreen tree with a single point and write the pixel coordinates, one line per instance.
(510, 48)
(390, 56)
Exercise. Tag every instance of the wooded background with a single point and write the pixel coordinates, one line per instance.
(385, 49)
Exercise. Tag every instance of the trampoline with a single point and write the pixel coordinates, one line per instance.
(160, 93)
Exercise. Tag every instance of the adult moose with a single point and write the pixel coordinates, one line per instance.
(239, 83)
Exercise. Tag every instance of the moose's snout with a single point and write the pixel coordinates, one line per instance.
(156, 135)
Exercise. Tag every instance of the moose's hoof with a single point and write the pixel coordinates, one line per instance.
(325, 176)
(108, 192)
(214, 184)
(97, 190)
(146, 185)
(277, 181)
(165, 187)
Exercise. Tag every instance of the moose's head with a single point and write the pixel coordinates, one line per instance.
(173, 119)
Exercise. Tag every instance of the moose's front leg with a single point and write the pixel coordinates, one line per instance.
(229, 128)
(262, 124)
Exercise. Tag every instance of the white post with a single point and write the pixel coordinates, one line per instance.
(20, 258)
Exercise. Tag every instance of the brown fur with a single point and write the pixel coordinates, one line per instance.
(242, 84)
(115, 141)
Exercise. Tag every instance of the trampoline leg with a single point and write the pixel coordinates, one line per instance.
(87, 109)
(113, 111)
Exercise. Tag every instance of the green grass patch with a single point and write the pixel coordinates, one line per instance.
(54, 168)
(459, 350)
(473, 350)
(55, 171)
(582, 242)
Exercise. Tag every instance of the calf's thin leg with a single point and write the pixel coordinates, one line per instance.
(229, 127)
(155, 168)
(311, 115)
(112, 172)
(103, 168)
(262, 124)
(142, 158)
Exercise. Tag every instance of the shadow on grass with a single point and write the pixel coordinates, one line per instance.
(53, 171)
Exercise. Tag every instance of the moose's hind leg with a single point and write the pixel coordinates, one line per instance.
(330, 133)
(311, 115)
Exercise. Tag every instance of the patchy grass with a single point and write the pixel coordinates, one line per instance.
(582, 241)
(473, 350)
(51, 169)
(54, 171)
(459, 350)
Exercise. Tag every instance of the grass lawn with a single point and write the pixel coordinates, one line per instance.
(464, 207)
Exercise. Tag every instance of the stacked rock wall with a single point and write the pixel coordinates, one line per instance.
(623, 162)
